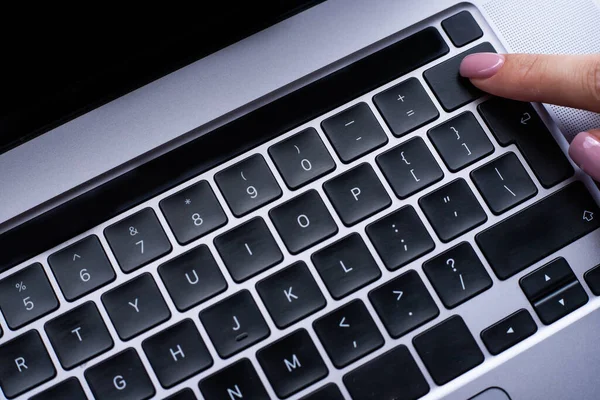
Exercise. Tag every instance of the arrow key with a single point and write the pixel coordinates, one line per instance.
(547, 279)
(508, 332)
(348, 333)
(560, 303)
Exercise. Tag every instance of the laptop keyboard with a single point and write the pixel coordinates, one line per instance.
(302, 263)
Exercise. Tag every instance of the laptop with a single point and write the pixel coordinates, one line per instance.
(297, 200)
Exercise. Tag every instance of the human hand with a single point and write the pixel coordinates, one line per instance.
(572, 81)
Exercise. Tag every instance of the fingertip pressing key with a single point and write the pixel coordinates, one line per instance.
(585, 152)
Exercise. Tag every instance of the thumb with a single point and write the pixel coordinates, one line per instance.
(566, 80)
(585, 152)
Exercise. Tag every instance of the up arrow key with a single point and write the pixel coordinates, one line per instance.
(510, 330)
(343, 324)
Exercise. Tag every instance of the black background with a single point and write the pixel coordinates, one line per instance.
(57, 64)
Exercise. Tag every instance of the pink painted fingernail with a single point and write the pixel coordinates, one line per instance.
(585, 152)
(481, 65)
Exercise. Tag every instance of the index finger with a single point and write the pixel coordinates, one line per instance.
(566, 80)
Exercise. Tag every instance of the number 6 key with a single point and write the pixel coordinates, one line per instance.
(81, 268)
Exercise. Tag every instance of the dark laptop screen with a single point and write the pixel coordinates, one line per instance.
(54, 68)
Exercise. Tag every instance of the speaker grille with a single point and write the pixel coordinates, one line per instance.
(551, 27)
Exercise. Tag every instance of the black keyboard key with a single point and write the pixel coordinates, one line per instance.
(403, 304)
(504, 183)
(303, 221)
(234, 324)
(248, 185)
(177, 353)
(354, 132)
(406, 107)
(400, 238)
(357, 194)
(135, 306)
(237, 381)
(547, 279)
(452, 210)
(592, 277)
(452, 90)
(81, 268)
(78, 335)
(302, 158)
(448, 350)
(193, 212)
(292, 363)
(185, 394)
(291, 294)
(409, 167)
(539, 230)
(379, 379)
(69, 389)
(461, 141)
(26, 296)
(508, 332)
(120, 377)
(348, 333)
(346, 266)
(517, 122)
(192, 278)
(137, 240)
(462, 28)
(248, 249)
(457, 275)
(562, 302)
(24, 364)
(327, 392)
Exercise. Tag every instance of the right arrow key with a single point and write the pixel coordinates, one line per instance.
(508, 332)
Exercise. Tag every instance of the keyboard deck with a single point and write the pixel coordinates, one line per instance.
(351, 257)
